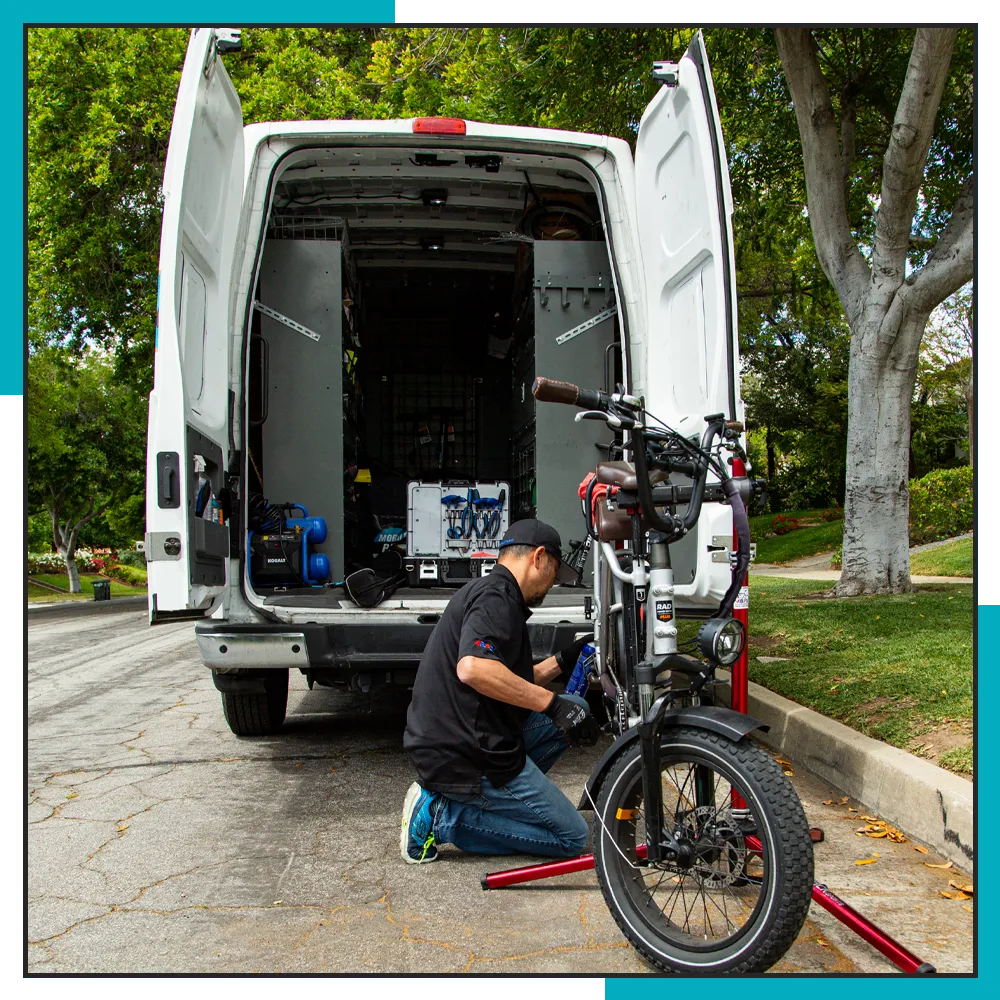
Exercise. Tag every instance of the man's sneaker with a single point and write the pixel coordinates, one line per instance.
(416, 835)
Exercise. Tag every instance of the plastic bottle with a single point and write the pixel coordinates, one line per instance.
(580, 678)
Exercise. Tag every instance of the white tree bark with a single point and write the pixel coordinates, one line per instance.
(66, 536)
(886, 310)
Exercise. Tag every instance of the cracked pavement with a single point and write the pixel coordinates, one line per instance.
(160, 842)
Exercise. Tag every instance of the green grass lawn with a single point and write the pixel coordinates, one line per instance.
(823, 537)
(953, 559)
(87, 591)
(898, 668)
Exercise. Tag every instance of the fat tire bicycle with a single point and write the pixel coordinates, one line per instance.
(701, 846)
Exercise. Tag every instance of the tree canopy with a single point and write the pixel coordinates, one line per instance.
(100, 103)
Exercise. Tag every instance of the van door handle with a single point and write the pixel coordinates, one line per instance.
(168, 494)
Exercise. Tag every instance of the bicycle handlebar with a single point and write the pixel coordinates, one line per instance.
(547, 390)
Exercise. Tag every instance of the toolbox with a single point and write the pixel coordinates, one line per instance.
(452, 522)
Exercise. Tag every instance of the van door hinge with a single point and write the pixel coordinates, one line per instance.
(290, 323)
(667, 73)
(226, 40)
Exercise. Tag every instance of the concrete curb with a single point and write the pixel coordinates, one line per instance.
(926, 802)
(71, 608)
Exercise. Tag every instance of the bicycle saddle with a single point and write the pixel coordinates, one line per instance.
(617, 474)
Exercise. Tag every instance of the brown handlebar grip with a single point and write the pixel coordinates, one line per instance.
(735, 425)
(547, 390)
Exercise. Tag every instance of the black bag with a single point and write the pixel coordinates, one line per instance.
(371, 586)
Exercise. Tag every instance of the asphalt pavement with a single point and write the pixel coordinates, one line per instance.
(159, 842)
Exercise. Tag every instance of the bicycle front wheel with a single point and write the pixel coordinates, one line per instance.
(736, 892)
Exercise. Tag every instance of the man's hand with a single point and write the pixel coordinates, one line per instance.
(565, 712)
(566, 658)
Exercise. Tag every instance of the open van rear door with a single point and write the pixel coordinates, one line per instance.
(189, 408)
(684, 207)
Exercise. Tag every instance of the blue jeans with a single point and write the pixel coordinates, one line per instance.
(528, 815)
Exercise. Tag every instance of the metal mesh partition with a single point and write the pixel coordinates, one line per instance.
(432, 433)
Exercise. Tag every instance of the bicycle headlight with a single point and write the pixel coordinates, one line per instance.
(722, 640)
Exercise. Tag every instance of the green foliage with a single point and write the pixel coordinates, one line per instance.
(132, 557)
(39, 533)
(952, 559)
(889, 666)
(86, 438)
(100, 105)
(941, 505)
(130, 575)
(806, 541)
(837, 557)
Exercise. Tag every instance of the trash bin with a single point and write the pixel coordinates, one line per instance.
(102, 590)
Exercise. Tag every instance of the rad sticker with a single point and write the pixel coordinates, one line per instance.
(664, 611)
(742, 599)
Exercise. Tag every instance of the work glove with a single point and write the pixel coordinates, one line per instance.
(565, 712)
(566, 658)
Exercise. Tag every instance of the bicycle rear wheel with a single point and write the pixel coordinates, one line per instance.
(736, 893)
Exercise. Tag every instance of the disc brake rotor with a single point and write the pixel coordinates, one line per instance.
(720, 848)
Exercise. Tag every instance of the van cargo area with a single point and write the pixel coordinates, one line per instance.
(405, 299)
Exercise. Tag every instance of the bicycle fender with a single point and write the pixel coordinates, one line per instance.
(715, 718)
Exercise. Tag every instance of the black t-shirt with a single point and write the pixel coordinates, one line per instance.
(454, 735)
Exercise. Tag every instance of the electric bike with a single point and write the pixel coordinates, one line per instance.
(701, 846)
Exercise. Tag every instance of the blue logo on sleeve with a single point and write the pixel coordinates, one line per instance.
(487, 646)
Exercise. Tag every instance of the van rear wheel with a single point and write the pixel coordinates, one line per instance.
(254, 713)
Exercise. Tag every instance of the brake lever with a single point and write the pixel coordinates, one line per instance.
(618, 423)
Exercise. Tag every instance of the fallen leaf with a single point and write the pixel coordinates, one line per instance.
(875, 834)
(72, 795)
(299, 764)
(865, 861)
(961, 887)
(828, 802)
(875, 854)
(871, 819)
(964, 907)
(858, 833)
(790, 774)
(962, 895)
(922, 850)
(122, 827)
(947, 895)
(822, 943)
(851, 809)
(844, 801)
(277, 902)
(947, 864)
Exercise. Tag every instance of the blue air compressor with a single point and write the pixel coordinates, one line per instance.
(280, 547)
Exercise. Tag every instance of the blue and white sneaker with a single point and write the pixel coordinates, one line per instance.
(416, 835)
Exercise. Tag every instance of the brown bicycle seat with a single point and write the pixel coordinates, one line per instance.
(617, 474)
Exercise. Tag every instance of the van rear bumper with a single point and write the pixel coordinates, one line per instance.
(348, 647)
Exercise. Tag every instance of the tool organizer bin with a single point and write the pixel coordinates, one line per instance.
(443, 528)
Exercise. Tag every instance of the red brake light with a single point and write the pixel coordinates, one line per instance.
(439, 126)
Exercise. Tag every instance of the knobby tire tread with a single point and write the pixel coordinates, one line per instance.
(792, 832)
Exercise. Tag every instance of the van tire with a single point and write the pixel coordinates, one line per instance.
(255, 714)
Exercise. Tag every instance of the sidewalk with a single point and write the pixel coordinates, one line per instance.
(817, 567)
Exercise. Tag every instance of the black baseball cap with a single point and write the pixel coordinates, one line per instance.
(537, 533)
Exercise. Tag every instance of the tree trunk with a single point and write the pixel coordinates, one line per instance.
(877, 497)
(73, 572)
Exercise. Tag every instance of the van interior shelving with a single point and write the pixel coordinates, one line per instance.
(437, 281)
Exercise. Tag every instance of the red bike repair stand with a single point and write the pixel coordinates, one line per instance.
(847, 915)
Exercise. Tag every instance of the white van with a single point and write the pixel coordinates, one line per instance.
(347, 308)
